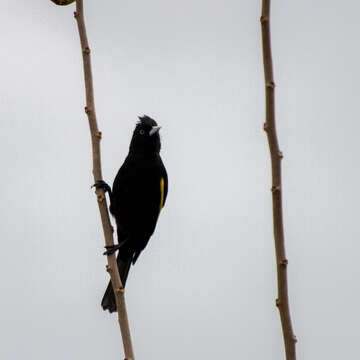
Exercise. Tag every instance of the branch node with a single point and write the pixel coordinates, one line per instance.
(275, 189)
(270, 84)
(284, 262)
(282, 300)
(111, 267)
(266, 126)
(294, 339)
(98, 134)
(100, 198)
(120, 290)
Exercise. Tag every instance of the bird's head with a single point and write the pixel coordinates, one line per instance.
(146, 136)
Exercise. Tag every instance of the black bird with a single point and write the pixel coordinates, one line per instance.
(138, 194)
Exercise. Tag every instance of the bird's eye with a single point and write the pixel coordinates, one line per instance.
(142, 132)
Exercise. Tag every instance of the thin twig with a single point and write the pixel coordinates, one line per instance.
(282, 302)
(103, 208)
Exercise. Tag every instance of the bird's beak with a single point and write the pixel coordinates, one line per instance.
(154, 130)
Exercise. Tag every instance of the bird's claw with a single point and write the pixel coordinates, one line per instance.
(101, 184)
(110, 249)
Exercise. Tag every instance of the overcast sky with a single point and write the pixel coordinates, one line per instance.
(205, 287)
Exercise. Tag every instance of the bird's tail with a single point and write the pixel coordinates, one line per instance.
(108, 302)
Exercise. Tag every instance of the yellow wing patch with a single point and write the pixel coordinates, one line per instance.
(161, 194)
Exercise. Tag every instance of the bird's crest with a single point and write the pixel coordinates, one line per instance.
(146, 120)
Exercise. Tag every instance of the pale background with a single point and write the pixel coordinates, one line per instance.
(205, 287)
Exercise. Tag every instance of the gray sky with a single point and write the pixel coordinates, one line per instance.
(205, 287)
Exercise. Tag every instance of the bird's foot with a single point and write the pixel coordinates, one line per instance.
(101, 184)
(110, 249)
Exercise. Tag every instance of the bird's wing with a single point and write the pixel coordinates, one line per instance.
(163, 185)
(139, 192)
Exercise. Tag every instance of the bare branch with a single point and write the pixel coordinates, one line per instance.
(282, 302)
(101, 199)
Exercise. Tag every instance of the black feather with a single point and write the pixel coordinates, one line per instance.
(135, 199)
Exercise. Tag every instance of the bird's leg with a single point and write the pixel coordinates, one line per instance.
(101, 184)
(110, 249)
